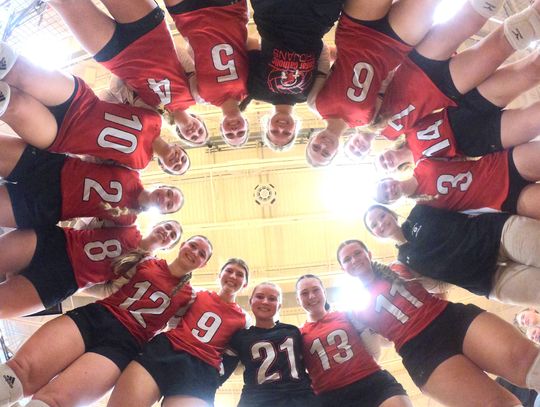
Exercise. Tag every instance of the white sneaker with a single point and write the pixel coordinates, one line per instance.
(8, 57)
(5, 96)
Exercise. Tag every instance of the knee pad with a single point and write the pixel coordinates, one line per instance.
(5, 96)
(8, 57)
(487, 8)
(532, 380)
(10, 386)
(522, 28)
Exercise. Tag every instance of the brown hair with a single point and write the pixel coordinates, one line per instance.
(303, 277)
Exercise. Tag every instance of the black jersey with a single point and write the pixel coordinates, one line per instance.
(453, 247)
(274, 371)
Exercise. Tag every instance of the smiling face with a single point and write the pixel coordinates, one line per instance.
(321, 149)
(358, 145)
(533, 333)
(281, 128)
(388, 160)
(166, 199)
(265, 302)
(232, 278)
(164, 235)
(311, 296)
(528, 318)
(381, 223)
(355, 260)
(193, 131)
(234, 129)
(388, 190)
(194, 253)
(176, 161)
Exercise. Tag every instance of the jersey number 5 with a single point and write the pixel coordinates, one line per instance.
(219, 54)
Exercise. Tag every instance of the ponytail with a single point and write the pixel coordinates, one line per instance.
(117, 211)
(183, 281)
(245, 103)
(122, 264)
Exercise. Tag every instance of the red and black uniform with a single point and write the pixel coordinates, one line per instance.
(150, 66)
(92, 251)
(351, 91)
(187, 359)
(218, 38)
(144, 305)
(109, 131)
(340, 366)
(465, 185)
(410, 96)
(86, 187)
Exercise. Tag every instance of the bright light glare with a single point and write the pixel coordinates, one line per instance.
(446, 10)
(352, 295)
(45, 51)
(153, 213)
(346, 190)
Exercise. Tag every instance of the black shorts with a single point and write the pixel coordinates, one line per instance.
(126, 34)
(105, 335)
(382, 25)
(59, 111)
(191, 5)
(438, 72)
(279, 399)
(516, 184)
(439, 341)
(35, 193)
(476, 124)
(371, 391)
(179, 373)
(50, 270)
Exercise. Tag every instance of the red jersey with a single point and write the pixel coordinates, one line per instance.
(432, 136)
(410, 96)
(144, 305)
(87, 186)
(91, 251)
(464, 185)
(364, 59)
(206, 329)
(218, 38)
(150, 66)
(400, 310)
(334, 354)
(109, 131)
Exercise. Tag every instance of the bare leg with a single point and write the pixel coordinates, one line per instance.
(7, 217)
(49, 351)
(526, 160)
(519, 126)
(83, 382)
(184, 401)
(16, 251)
(11, 149)
(135, 388)
(19, 297)
(30, 119)
(397, 401)
(527, 204)
(367, 10)
(127, 11)
(412, 19)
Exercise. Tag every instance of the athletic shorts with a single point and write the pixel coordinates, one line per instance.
(50, 270)
(179, 373)
(476, 124)
(275, 398)
(439, 341)
(105, 335)
(187, 6)
(516, 185)
(59, 111)
(34, 188)
(371, 391)
(438, 72)
(382, 26)
(126, 34)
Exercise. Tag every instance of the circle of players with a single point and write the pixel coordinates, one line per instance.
(392, 73)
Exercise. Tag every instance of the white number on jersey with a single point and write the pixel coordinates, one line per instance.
(345, 350)
(162, 89)
(432, 133)
(108, 133)
(266, 351)
(90, 184)
(462, 181)
(109, 248)
(209, 323)
(359, 92)
(142, 288)
(398, 116)
(384, 303)
(220, 53)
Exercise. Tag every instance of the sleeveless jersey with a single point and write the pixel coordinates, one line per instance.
(334, 354)
(150, 66)
(109, 131)
(206, 329)
(86, 186)
(465, 185)
(144, 305)
(273, 362)
(218, 37)
(400, 310)
(92, 251)
(351, 90)
(410, 96)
